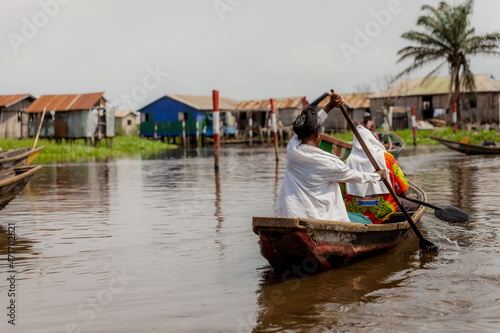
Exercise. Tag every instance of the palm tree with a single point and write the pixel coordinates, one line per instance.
(449, 37)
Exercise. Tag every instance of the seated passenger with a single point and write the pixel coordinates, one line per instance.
(311, 181)
(374, 200)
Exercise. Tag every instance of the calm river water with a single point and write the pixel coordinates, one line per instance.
(161, 244)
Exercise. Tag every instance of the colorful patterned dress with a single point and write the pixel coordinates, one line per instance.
(380, 207)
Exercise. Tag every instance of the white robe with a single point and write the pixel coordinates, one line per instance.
(311, 183)
(358, 160)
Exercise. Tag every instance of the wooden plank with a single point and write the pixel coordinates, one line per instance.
(274, 222)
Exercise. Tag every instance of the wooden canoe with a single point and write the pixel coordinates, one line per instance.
(342, 148)
(18, 157)
(324, 245)
(13, 181)
(468, 148)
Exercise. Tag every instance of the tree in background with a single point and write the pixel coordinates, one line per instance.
(448, 37)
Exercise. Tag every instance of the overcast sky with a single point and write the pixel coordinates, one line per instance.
(136, 51)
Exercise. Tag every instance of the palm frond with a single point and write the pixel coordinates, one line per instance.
(447, 36)
(423, 39)
(482, 44)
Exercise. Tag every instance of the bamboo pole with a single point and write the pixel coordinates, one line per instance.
(39, 128)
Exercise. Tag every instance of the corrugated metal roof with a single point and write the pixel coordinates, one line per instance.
(353, 101)
(204, 103)
(265, 104)
(437, 86)
(65, 102)
(124, 113)
(8, 100)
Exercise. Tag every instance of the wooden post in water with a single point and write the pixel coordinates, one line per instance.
(156, 130)
(184, 129)
(269, 127)
(216, 127)
(454, 118)
(414, 125)
(275, 129)
(236, 128)
(280, 127)
(250, 127)
(304, 103)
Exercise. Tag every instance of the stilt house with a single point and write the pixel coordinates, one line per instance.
(126, 122)
(287, 109)
(429, 98)
(163, 117)
(14, 120)
(87, 116)
(355, 104)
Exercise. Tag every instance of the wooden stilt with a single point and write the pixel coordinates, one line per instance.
(275, 129)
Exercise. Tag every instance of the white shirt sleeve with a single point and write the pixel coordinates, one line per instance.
(344, 174)
(322, 115)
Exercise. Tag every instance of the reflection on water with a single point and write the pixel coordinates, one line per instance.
(322, 301)
(179, 235)
(394, 291)
(22, 245)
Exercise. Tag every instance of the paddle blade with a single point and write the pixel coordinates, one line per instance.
(451, 214)
(425, 245)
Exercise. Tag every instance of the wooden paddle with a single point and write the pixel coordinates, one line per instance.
(424, 244)
(446, 213)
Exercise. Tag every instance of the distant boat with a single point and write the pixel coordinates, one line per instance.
(325, 245)
(468, 148)
(18, 157)
(13, 181)
(342, 148)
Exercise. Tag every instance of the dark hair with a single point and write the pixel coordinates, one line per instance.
(307, 123)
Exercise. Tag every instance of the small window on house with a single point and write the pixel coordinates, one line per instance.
(182, 116)
(129, 122)
(144, 117)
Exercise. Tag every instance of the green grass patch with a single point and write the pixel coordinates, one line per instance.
(78, 151)
(423, 136)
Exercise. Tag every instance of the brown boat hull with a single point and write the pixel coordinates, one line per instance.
(467, 148)
(18, 157)
(14, 182)
(323, 245)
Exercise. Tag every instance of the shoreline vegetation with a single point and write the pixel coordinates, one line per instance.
(78, 151)
(124, 146)
(423, 136)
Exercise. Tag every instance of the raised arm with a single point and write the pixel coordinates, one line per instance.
(335, 101)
